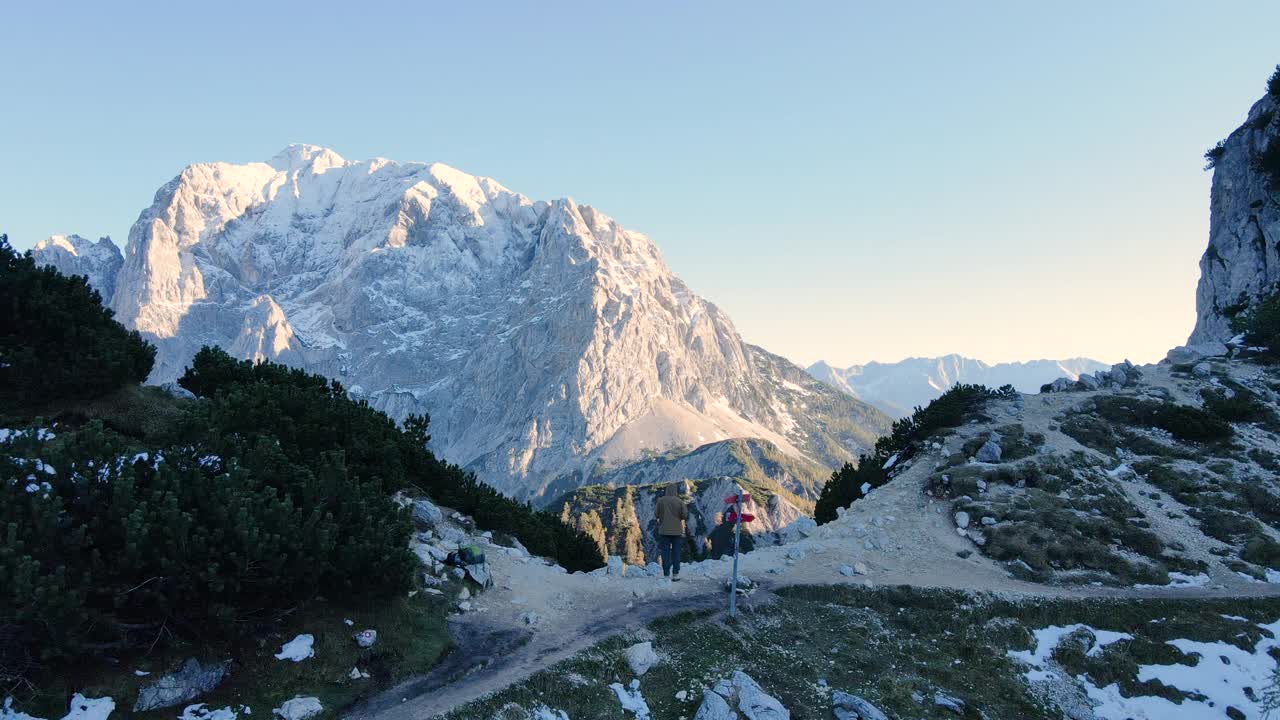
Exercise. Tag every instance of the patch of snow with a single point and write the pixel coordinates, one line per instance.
(1237, 618)
(1177, 579)
(298, 649)
(1220, 673)
(200, 712)
(890, 462)
(1046, 639)
(83, 708)
(631, 699)
(8, 713)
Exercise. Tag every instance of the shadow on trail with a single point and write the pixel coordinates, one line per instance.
(486, 658)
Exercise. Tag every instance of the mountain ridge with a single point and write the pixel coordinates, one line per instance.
(541, 336)
(897, 387)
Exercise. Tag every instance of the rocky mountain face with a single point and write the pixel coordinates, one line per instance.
(543, 338)
(898, 387)
(748, 459)
(1242, 262)
(99, 261)
(623, 520)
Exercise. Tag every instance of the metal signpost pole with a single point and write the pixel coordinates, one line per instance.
(737, 532)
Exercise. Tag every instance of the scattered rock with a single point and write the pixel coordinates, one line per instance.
(682, 695)
(358, 674)
(989, 452)
(860, 568)
(754, 702)
(464, 606)
(846, 570)
(177, 391)
(988, 520)
(714, 707)
(531, 618)
(1191, 353)
(299, 708)
(852, 707)
(191, 681)
(1202, 370)
(366, 638)
(426, 512)
(962, 519)
(640, 657)
(947, 702)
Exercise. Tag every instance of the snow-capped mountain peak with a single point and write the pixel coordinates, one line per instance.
(898, 387)
(99, 260)
(542, 337)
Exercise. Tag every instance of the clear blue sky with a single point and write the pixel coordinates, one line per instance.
(850, 181)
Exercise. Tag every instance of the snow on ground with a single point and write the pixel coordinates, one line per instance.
(8, 713)
(1177, 579)
(1048, 638)
(1220, 673)
(83, 708)
(631, 699)
(200, 712)
(298, 649)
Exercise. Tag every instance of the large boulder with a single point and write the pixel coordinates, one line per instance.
(754, 702)
(427, 513)
(299, 708)
(990, 451)
(714, 707)
(189, 682)
(1185, 354)
(640, 657)
(852, 707)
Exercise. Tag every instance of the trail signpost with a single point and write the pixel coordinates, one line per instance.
(735, 515)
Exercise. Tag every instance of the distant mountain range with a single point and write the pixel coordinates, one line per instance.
(544, 339)
(897, 388)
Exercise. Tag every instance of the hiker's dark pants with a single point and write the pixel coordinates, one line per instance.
(669, 546)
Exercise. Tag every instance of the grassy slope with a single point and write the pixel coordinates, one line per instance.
(883, 645)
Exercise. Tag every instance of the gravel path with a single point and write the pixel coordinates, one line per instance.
(897, 534)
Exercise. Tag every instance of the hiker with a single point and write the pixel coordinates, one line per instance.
(671, 513)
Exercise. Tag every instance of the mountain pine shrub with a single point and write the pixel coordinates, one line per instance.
(57, 341)
(945, 411)
(308, 414)
(104, 547)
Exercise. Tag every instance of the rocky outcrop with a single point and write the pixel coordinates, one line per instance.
(774, 512)
(1242, 262)
(98, 261)
(543, 338)
(1121, 375)
(754, 460)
